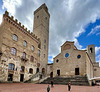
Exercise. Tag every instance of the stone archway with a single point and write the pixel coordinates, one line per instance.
(51, 75)
(43, 70)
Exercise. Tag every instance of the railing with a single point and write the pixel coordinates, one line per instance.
(24, 58)
(32, 77)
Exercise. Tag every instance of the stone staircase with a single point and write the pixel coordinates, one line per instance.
(34, 78)
(75, 80)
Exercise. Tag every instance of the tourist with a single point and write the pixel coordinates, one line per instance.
(51, 83)
(48, 88)
(69, 86)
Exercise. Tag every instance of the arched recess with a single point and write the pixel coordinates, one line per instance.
(43, 70)
(51, 75)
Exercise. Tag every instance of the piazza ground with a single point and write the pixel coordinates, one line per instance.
(25, 87)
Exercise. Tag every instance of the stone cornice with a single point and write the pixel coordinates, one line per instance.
(19, 26)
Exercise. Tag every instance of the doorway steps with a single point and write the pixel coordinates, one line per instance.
(75, 80)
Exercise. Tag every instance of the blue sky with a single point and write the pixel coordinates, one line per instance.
(72, 20)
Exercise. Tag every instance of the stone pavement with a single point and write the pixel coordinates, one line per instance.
(25, 87)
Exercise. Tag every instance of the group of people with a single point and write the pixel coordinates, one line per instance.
(69, 86)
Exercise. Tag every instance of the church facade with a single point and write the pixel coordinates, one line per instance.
(73, 62)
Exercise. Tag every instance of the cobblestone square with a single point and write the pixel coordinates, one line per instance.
(25, 87)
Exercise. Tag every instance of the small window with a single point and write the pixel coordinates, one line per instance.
(44, 55)
(57, 60)
(46, 18)
(24, 55)
(38, 52)
(44, 47)
(31, 58)
(32, 48)
(67, 55)
(45, 41)
(91, 50)
(79, 56)
(37, 17)
(13, 51)
(25, 43)
(11, 66)
(31, 70)
(15, 38)
(39, 45)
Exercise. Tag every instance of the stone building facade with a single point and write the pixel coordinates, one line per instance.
(22, 53)
(73, 62)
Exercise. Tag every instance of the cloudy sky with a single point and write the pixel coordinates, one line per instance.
(72, 20)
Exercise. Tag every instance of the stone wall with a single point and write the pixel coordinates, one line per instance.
(9, 28)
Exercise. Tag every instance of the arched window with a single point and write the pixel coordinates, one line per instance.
(38, 52)
(15, 37)
(44, 40)
(11, 66)
(13, 51)
(39, 45)
(44, 46)
(24, 43)
(91, 50)
(22, 68)
(24, 55)
(31, 70)
(32, 48)
(43, 70)
(31, 58)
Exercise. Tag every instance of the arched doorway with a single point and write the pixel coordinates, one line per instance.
(76, 71)
(58, 72)
(37, 70)
(43, 70)
(51, 75)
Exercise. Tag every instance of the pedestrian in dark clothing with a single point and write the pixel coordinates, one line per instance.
(69, 86)
(48, 88)
(51, 83)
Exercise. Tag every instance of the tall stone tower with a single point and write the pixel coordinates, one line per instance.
(91, 52)
(41, 30)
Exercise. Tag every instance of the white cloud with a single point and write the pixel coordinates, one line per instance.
(95, 30)
(0, 18)
(68, 18)
(11, 5)
(97, 50)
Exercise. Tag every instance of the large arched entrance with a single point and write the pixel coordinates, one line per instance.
(51, 75)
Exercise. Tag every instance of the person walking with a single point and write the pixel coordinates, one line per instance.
(69, 86)
(48, 88)
(51, 83)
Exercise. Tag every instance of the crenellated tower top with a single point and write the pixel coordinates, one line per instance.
(18, 25)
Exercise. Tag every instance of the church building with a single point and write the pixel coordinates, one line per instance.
(24, 54)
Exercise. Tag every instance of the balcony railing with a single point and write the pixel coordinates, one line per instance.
(24, 58)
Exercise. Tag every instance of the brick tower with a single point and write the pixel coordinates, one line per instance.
(41, 30)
